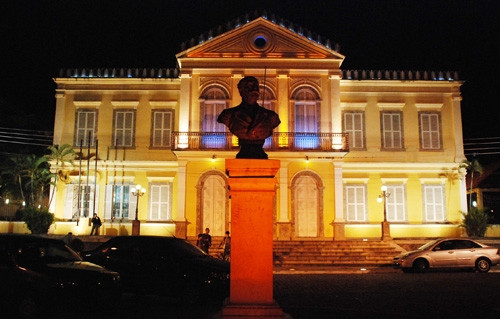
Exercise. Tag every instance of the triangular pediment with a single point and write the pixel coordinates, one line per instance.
(260, 38)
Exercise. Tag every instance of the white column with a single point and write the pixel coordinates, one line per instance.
(463, 189)
(59, 119)
(339, 192)
(335, 102)
(457, 129)
(283, 180)
(184, 103)
(181, 191)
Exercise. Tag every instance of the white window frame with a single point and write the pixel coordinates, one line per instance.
(306, 117)
(124, 136)
(392, 135)
(354, 125)
(160, 201)
(84, 126)
(86, 201)
(162, 128)
(211, 110)
(430, 130)
(396, 203)
(355, 211)
(433, 198)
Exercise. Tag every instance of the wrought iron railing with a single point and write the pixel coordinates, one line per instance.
(317, 142)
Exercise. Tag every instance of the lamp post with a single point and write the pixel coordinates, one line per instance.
(138, 191)
(386, 229)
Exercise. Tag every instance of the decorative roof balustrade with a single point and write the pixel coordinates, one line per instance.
(400, 75)
(222, 141)
(143, 73)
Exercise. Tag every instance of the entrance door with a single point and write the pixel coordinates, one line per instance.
(214, 205)
(306, 201)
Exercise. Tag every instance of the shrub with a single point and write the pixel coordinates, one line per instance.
(37, 220)
(475, 222)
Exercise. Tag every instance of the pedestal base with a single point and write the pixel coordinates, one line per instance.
(338, 231)
(386, 231)
(253, 311)
(136, 227)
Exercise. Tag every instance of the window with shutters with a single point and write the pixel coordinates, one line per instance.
(355, 202)
(392, 130)
(213, 101)
(161, 128)
(160, 201)
(430, 130)
(79, 201)
(354, 125)
(434, 202)
(306, 109)
(123, 128)
(396, 203)
(121, 202)
(85, 127)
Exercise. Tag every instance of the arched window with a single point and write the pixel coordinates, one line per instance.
(267, 100)
(306, 110)
(213, 101)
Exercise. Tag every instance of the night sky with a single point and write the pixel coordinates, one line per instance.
(39, 37)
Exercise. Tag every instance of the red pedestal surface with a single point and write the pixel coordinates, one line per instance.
(252, 186)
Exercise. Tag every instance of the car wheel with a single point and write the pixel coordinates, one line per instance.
(483, 265)
(420, 265)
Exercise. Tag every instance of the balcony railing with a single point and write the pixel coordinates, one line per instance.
(314, 142)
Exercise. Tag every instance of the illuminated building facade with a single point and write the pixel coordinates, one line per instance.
(343, 135)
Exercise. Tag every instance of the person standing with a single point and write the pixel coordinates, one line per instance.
(226, 244)
(204, 240)
(96, 223)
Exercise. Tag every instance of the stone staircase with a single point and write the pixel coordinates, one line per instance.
(312, 253)
(334, 253)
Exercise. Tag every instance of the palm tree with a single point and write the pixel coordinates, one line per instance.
(473, 166)
(36, 169)
(60, 156)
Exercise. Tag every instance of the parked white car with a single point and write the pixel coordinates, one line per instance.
(449, 253)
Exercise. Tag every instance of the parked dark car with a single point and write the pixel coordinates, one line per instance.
(41, 275)
(166, 266)
(449, 253)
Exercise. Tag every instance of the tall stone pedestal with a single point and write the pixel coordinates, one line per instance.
(386, 231)
(252, 188)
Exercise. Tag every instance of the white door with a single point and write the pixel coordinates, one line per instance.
(214, 205)
(306, 201)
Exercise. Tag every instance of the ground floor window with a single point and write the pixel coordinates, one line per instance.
(80, 200)
(355, 202)
(433, 200)
(396, 203)
(160, 202)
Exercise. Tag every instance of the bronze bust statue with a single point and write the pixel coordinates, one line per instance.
(249, 121)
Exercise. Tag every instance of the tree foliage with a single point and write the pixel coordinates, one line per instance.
(475, 222)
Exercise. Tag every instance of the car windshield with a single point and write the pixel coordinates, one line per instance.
(427, 245)
(185, 249)
(41, 253)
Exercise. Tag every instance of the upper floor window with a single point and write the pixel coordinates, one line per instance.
(430, 130)
(161, 127)
(306, 110)
(434, 203)
(213, 101)
(392, 130)
(85, 127)
(354, 125)
(123, 128)
(355, 202)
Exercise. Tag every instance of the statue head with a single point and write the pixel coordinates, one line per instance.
(249, 89)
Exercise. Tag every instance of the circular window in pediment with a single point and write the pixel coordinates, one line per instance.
(260, 41)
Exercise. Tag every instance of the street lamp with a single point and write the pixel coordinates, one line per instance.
(138, 191)
(386, 230)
